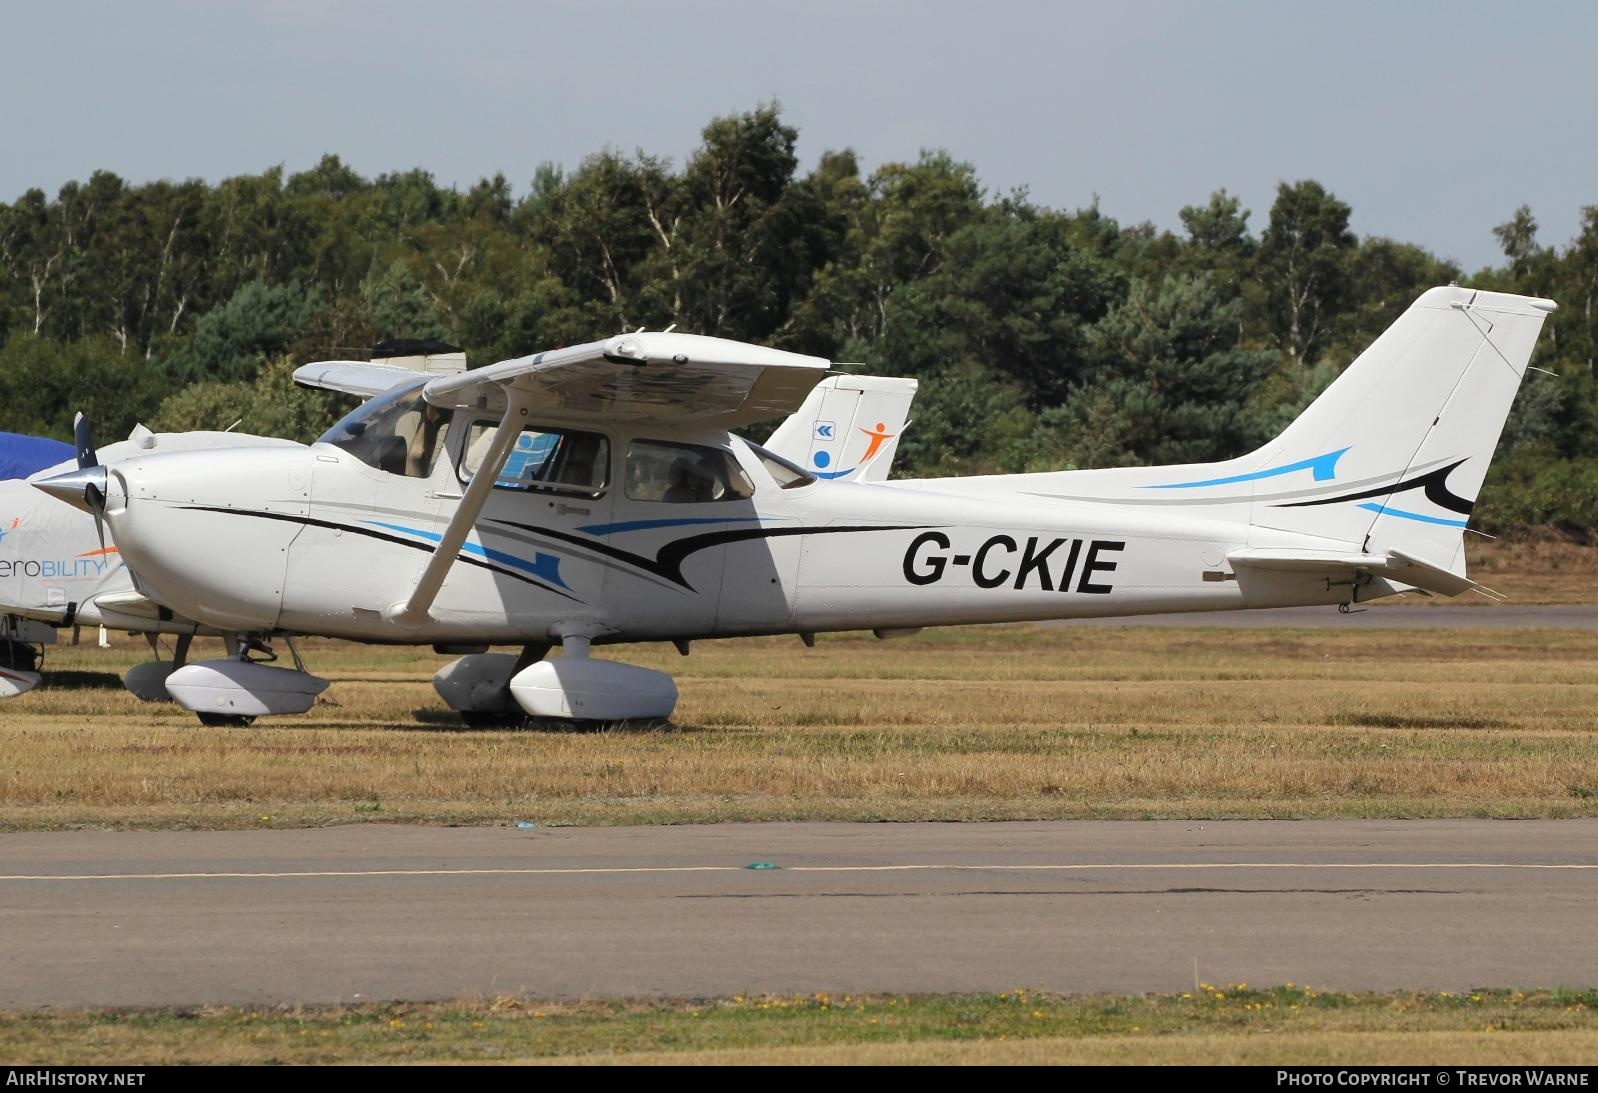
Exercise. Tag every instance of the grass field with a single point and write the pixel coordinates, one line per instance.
(1536, 571)
(1227, 1024)
(1012, 722)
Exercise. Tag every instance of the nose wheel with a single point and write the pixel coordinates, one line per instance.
(232, 693)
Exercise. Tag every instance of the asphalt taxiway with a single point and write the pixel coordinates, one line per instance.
(363, 913)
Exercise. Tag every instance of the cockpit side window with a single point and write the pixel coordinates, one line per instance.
(658, 470)
(398, 432)
(544, 459)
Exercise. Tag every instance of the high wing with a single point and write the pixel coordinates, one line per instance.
(678, 379)
(355, 377)
(681, 379)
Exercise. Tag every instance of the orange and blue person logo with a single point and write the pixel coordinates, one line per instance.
(879, 436)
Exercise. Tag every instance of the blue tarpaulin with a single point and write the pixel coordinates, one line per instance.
(21, 456)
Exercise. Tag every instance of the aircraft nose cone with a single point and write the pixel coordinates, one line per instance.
(72, 487)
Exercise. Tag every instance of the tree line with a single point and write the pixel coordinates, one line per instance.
(1044, 338)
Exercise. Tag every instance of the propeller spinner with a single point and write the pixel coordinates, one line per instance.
(85, 487)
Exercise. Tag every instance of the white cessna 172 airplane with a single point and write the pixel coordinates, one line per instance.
(59, 570)
(594, 494)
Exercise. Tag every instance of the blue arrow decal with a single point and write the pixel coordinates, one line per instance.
(1323, 466)
(544, 566)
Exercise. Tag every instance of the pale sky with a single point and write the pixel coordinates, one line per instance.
(1433, 120)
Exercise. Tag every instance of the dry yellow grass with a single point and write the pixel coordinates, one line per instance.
(1574, 1048)
(958, 724)
(1535, 571)
(1279, 1025)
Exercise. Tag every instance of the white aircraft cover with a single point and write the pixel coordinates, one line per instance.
(679, 379)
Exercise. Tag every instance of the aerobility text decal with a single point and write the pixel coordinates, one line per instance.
(1016, 562)
(92, 564)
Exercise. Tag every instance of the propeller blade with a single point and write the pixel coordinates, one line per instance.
(84, 443)
(96, 499)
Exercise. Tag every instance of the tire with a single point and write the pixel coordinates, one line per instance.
(564, 724)
(226, 720)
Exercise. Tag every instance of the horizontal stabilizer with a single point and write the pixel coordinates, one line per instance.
(1338, 566)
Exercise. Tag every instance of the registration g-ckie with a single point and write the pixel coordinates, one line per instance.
(1008, 560)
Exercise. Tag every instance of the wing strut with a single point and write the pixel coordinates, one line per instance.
(415, 610)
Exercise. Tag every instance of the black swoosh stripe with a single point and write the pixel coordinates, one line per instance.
(387, 538)
(1435, 483)
(668, 562)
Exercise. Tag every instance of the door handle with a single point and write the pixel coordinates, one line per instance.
(563, 509)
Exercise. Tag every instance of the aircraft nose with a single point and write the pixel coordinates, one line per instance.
(73, 486)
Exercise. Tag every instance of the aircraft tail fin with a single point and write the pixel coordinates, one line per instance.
(1398, 445)
(848, 427)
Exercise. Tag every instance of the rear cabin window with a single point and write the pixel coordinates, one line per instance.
(544, 459)
(684, 474)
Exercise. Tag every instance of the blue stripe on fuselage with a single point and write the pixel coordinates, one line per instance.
(1402, 515)
(1323, 466)
(544, 566)
(644, 525)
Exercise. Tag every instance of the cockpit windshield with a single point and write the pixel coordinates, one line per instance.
(398, 432)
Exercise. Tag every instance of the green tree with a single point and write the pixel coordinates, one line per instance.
(1219, 244)
(1221, 226)
(748, 239)
(1385, 277)
(32, 248)
(268, 405)
(233, 341)
(399, 306)
(44, 382)
(1304, 266)
(1169, 383)
(1012, 294)
(599, 230)
(894, 232)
